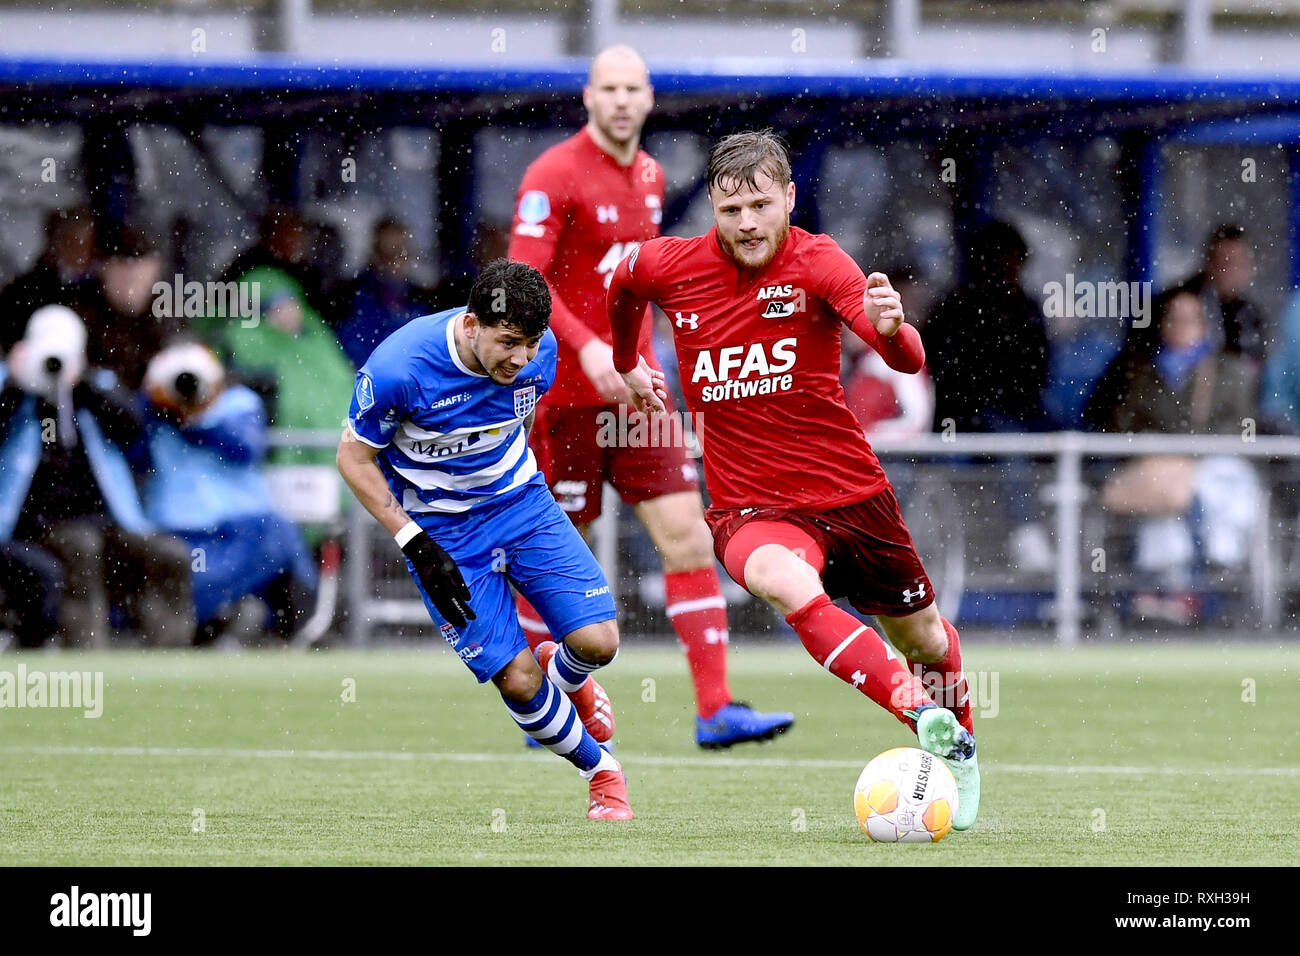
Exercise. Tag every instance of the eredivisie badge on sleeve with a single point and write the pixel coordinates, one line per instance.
(365, 393)
(534, 208)
(525, 400)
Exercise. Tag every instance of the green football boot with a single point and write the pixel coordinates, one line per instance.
(938, 732)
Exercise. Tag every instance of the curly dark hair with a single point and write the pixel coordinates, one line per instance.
(513, 294)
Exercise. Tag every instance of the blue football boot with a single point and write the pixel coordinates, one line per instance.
(738, 722)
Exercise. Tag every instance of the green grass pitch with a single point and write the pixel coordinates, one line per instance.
(1120, 754)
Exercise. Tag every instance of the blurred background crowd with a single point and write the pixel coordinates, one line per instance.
(133, 438)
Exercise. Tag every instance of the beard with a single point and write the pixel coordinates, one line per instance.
(769, 251)
(619, 139)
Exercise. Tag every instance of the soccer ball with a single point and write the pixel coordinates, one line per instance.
(906, 796)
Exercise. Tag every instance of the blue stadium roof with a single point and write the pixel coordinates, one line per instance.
(872, 78)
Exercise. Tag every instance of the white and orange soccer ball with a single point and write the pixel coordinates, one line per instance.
(906, 795)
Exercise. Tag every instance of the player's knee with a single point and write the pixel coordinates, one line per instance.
(921, 637)
(518, 681)
(595, 643)
(690, 550)
(780, 576)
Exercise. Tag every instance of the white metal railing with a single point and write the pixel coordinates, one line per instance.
(1067, 494)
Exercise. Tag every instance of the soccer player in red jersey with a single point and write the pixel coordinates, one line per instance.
(801, 511)
(583, 205)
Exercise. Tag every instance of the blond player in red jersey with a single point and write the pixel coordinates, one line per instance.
(801, 511)
(582, 206)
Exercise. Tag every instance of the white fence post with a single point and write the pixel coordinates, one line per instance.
(1069, 502)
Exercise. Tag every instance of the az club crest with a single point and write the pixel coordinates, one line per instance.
(525, 400)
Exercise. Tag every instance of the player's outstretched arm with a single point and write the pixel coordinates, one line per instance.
(356, 463)
(436, 569)
(885, 327)
(626, 315)
(883, 305)
(870, 306)
(647, 387)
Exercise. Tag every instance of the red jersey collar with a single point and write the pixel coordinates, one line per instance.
(590, 144)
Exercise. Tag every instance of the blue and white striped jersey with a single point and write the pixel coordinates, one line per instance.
(451, 438)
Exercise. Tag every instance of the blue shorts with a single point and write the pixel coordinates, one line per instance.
(527, 541)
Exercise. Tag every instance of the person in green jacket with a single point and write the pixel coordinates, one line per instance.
(290, 341)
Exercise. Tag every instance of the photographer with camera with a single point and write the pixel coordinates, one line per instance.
(66, 486)
(206, 440)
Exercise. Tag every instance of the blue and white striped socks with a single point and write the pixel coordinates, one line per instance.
(569, 671)
(551, 720)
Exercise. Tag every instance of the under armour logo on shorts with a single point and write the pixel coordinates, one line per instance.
(919, 593)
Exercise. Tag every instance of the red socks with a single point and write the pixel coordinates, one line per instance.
(946, 680)
(699, 615)
(857, 655)
(535, 630)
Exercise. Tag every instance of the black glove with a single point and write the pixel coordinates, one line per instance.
(441, 579)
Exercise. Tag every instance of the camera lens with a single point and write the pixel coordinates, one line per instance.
(187, 386)
(53, 365)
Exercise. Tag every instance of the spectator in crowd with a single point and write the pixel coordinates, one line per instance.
(384, 297)
(987, 341)
(292, 345)
(124, 333)
(491, 242)
(1081, 350)
(1280, 384)
(1235, 321)
(31, 586)
(1195, 512)
(987, 349)
(1191, 384)
(65, 485)
(886, 403)
(285, 243)
(62, 275)
(206, 441)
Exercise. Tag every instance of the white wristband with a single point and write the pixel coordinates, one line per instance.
(406, 533)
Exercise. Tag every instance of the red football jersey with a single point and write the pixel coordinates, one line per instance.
(578, 213)
(759, 356)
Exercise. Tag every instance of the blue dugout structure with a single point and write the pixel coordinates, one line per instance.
(958, 114)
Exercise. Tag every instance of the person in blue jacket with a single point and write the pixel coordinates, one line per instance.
(67, 487)
(206, 440)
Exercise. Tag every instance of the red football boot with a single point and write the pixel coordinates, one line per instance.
(609, 796)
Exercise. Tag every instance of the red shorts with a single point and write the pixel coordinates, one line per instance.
(862, 551)
(580, 448)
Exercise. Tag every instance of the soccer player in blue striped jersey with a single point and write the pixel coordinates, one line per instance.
(436, 448)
